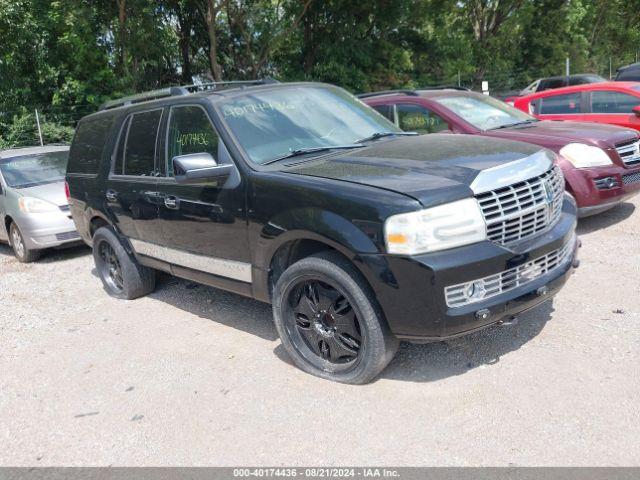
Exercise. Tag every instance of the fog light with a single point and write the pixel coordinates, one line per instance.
(475, 290)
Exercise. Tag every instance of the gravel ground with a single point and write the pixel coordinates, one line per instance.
(196, 376)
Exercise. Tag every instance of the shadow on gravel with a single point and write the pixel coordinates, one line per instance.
(51, 255)
(436, 361)
(413, 363)
(219, 306)
(605, 219)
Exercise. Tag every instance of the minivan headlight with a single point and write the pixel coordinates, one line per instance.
(438, 228)
(585, 156)
(35, 205)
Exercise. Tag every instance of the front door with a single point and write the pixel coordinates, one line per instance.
(204, 226)
(4, 235)
(131, 194)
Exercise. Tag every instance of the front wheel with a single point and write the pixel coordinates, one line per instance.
(20, 249)
(122, 276)
(329, 322)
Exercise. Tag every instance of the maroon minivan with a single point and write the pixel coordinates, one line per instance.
(601, 163)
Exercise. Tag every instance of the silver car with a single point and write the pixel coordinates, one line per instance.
(34, 211)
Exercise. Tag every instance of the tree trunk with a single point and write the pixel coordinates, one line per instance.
(210, 18)
(122, 35)
(184, 40)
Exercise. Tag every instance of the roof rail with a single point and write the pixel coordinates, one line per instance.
(179, 91)
(388, 92)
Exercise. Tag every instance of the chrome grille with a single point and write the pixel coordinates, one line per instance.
(629, 152)
(493, 285)
(631, 178)
(523, 209)
(67, 236)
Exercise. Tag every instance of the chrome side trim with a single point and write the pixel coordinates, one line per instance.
(512, 172)
(216, 266)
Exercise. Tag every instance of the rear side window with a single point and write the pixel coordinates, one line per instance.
(190, 131)
(613, 102)
(552, 83)
(88, 145)
(386, 110)
(137, 144)
(560, 104)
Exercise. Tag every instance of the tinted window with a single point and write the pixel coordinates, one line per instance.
(140, 149)
(385, 110)
(271, 123)
(560, 104)
(585, 79)
(613, 102)
(88, 145)
(414, 118)
(31, 170)
(552, 83)
(190, 131)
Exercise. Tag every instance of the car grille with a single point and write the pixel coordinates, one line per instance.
(629, 152)
(460, 295)
(631, 178)
(523, 209)
(67, 236)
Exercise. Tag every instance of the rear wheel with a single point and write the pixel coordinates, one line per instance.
(22, 253)
(121, 274)
(329, 322)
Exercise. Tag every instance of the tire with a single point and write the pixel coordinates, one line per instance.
(324, 336)
(20, 250)
(121, 274)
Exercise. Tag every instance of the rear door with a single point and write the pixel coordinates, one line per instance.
(559, 106)
(3, 211)
(613, 107)
(131, 195)
(204, 225)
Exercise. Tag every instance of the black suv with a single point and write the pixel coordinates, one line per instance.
(301, 196)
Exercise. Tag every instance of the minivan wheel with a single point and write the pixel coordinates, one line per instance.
(22, 253)
(121, 274)
(329, 321)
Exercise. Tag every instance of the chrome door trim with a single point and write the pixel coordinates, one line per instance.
(216, 266)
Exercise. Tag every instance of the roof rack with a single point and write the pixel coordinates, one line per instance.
(179, 91)
(388, 92)
(413, 93)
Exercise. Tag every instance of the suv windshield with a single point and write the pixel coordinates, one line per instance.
(485, 112)
(31, 170)
(273, 123)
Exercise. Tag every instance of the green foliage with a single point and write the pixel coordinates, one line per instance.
(66, 57)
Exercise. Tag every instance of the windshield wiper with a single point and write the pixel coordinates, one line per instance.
(303, 151)
(509, 125)
(378, 135)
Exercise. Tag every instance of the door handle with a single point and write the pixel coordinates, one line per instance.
(111, 195)
(171, 202)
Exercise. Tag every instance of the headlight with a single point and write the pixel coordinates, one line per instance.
(585, 156)
(445, 226)
(35, 205)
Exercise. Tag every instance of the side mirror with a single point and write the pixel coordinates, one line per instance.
(636, 110)
(198, 168)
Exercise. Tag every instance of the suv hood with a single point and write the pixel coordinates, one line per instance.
(49, 192)
(560, 133)
(432, 169)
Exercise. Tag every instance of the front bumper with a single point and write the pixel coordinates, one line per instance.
(590, 198)
(47, 230)
(411, 290)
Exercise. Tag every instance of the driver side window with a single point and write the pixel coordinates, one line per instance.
(415, 118)
(190, 131)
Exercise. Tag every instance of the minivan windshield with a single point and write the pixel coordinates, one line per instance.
(270, 124)
(485, 112)
(31, 170)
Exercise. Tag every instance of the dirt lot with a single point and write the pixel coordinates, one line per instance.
(193, 375)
